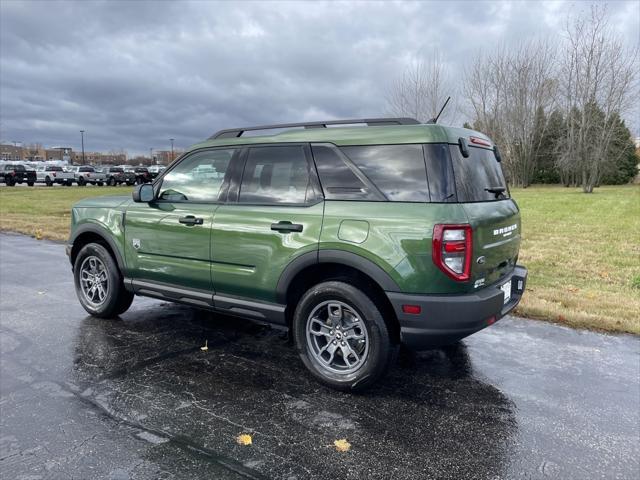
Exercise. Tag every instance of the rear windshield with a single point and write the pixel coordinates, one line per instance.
(116, 170)
(86, 169)
(478, 177)
(54, 169)
(17, 168)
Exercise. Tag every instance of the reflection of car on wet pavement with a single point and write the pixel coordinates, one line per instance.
(136, 397)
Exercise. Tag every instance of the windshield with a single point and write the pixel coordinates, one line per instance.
(478, 177)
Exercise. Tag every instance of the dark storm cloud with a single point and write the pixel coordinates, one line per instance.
(134, 74)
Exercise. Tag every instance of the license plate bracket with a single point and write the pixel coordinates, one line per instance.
(506, 290)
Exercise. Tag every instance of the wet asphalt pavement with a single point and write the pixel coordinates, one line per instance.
(136, 398)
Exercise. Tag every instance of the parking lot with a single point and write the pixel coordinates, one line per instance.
(136, 397)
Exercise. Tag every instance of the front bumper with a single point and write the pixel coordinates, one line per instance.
(445, 319)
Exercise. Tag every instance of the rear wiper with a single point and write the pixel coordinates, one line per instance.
(497, 191)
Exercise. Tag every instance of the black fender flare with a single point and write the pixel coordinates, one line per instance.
(364, 265)
(104, 234)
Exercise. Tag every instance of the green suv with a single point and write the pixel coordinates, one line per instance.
(355, 238)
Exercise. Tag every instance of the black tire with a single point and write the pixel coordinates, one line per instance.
(111, 182)
(30, 184)
(117, 299)
(10, 182)
(100, 184)
(129, 184)
(381, 351)
(69, 183)
(48, 182)
(81, 182)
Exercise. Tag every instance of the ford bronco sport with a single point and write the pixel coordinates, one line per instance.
(355, 238)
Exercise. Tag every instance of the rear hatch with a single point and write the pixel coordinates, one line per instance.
(494, 217)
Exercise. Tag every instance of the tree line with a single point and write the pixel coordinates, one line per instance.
(556, 110)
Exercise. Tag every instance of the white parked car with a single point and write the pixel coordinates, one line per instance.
(50, 174)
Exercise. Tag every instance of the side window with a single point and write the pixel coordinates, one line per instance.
(398, 171)
(278, 174)
(339, 178)
(442, 185)
(198, 178)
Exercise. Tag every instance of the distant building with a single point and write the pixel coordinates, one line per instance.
(34, 153)
(98, 158)
(165, 157)
(62, 154)
(10, 153)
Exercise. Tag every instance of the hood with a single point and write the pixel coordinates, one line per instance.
(106, 201)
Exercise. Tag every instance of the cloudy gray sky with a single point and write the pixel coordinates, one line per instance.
(134, 74)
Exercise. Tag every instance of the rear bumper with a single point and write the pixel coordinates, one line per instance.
(446, 319)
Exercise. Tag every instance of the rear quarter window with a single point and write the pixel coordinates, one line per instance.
(398, 171)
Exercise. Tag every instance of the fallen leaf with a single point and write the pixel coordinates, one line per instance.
(38, 234)
(342, 445)
(206, 346)
(244, 439)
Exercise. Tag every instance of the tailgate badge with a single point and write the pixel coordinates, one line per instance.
(481, 260)
(136, 243)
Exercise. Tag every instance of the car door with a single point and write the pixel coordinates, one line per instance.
(273, 215)
(168, 241)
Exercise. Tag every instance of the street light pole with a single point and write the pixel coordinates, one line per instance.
(171, 149)
(82, 137)
(151, 156)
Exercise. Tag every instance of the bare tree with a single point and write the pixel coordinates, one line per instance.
(422, 90)
(598, 77)
(508, 92)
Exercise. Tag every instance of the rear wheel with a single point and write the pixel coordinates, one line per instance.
(342, 337)
(10, 182)
(100, 184)
(48, 182)
(111, 182)
(98, 282)
(82, 182)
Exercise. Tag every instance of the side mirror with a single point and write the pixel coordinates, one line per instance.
(143, 193)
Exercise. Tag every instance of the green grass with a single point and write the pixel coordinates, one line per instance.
(45, 211)
(583, 255)
(582, 251)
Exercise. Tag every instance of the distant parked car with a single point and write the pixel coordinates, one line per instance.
(155, 170)
(117, 176)
(87, 174)
(141, 173)
(50, 174)
(12, 173)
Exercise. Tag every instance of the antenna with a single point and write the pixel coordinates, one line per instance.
(435, 120)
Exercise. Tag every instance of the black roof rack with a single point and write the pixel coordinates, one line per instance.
(237, 132)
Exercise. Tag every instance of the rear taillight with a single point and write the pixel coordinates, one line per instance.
(451, 250)
(54, 174)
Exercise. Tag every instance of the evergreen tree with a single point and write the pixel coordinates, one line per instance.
(622, 166)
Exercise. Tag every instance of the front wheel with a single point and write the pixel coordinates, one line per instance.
(342, 337)
(98, 282)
